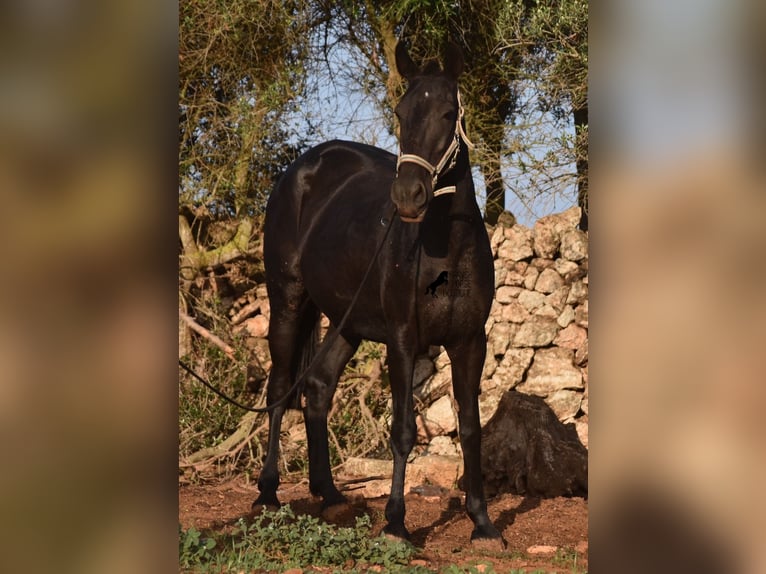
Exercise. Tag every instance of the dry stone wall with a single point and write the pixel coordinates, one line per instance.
(537, 331)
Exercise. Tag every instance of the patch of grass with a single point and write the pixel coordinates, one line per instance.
(193, 549)
(567, 558)
(478, 568)
(280, 540)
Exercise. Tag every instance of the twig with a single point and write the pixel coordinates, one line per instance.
(248, 309)
(199, 329)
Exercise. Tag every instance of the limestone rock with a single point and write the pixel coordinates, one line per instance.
(564, 403)
(501, 271)
(581, 353)
(569, 270)
(547, 237)
(557, 299)
(498, 236)
(499, 338)
(443, 446)
(514, 312)
(572, 337)
(552, 370)
(517, 245)
(257, 326)
(434, 387)
(542, 263)
(547, 311)
(581, 314)
(440, 417)
(508, 373)
(514, 278)
(537, 332)
(530, 277)
(566, 317)
(531, 300)
(578, 292)
(510, 370)
(548, 281)
(506, 294)
(574, 245)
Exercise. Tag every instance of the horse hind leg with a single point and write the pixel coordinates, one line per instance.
(321, 382)
(292, 337)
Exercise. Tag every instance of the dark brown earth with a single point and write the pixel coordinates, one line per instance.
(435, 518)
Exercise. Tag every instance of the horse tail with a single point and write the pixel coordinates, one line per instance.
(306, 349)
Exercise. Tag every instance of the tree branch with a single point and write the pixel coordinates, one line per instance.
(197, 328)
(193, 260)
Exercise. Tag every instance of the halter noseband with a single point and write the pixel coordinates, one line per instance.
(448, 159)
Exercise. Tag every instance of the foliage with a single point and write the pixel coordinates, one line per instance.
(279, 540)
(553, 35)
(241, 68)
(193, 549)
(526, 76)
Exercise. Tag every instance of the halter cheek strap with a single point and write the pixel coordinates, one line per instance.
(448, 159)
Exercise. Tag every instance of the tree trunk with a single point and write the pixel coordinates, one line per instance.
(493, 180)
(193, 259)
(581, 150)
(527, 450)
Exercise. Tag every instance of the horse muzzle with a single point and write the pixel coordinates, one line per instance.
(411, 200)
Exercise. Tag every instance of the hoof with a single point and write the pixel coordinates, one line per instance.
(259, 505)
(489, 544)
(398, 534)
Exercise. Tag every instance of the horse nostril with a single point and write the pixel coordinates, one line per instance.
(410, 197)
(420, 195)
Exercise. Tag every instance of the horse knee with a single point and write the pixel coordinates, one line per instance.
(318, 395)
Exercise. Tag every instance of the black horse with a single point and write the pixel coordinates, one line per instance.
(332, 238)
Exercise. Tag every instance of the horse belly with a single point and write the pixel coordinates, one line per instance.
(333, 266)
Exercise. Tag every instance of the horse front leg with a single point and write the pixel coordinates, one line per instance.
(401, 360)
(467, 364)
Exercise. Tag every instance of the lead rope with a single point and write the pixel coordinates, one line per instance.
(326, 343)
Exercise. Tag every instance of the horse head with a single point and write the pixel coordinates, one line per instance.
(430, 120)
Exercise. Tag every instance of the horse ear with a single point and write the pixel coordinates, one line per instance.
(404, 63)
(453, 60)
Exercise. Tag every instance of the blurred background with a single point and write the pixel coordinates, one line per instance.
(90, 187)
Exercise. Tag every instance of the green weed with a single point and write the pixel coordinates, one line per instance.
(276, 541)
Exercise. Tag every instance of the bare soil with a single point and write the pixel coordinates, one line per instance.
(435, 518)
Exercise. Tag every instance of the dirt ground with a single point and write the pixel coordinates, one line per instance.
(436, 520)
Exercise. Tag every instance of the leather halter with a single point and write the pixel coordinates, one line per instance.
(448, 159)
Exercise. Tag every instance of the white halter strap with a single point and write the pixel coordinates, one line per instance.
(449, 156)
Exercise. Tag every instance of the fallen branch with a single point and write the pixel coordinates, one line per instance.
(246, 311)
(200, 330)
(231, 445)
